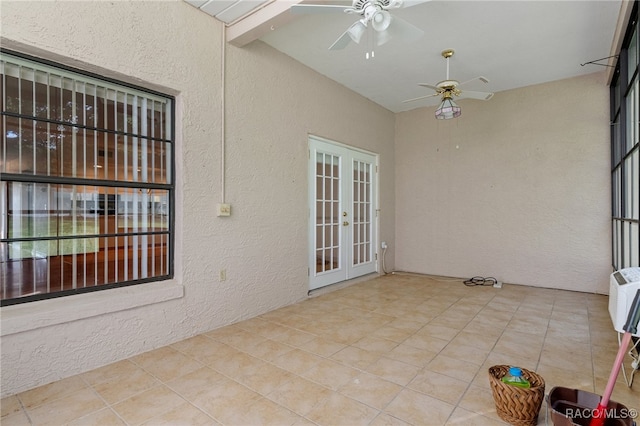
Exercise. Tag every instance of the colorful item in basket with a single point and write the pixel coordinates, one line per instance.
(515, 378)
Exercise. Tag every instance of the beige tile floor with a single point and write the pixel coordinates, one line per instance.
(396, 350)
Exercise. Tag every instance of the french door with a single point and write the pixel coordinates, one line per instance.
(342, 205)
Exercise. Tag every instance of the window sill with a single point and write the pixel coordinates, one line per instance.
(44, 313)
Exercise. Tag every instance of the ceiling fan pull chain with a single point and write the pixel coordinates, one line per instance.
(371, 35)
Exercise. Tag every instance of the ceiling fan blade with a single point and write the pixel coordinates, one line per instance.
(430, 86)
(382, 37)
(319, 8)
(482, 79)
(397, 4)
(483, 96)
(399, 28)
(354, 32)
(408, 3)
(342, 41)
(421, 97)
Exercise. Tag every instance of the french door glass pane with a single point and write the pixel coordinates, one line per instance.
(362, 245)
(327, 212)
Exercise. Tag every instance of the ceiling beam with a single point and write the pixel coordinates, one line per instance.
(260, 22)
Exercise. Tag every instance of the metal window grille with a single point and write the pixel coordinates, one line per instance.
(625, 151)
(86, 182)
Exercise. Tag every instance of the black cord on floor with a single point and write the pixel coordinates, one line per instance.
(480, 281)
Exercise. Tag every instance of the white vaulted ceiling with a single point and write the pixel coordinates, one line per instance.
(513, 43)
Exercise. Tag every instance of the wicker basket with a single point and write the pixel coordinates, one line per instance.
(515, 405)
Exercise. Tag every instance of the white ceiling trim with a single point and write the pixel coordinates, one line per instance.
(260, 22)
(227, 11)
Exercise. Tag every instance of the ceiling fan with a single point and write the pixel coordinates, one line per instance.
(449, 89)
(374, 12)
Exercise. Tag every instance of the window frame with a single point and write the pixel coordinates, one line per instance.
(625, 176)
(170, 187)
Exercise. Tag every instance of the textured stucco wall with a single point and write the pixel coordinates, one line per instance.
(273, 103)
(516, 188)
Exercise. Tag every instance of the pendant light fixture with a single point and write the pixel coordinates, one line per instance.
(448, 108)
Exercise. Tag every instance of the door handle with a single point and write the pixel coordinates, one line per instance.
(345, 223)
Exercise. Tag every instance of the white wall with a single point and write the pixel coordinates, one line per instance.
(273, 103)
(516, 188)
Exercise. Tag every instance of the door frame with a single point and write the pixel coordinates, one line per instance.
(313, 141)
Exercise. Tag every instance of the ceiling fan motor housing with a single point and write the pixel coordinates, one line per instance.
(448, 84)
(382, 4)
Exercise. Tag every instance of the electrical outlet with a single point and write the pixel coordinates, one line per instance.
(383, 244)
(224, 210)
(498, 284)
(223, 275)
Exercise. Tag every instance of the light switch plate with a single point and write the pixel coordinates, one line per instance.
(224, 210)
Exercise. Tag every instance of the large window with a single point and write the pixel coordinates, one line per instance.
(86, 182)
(625, 151)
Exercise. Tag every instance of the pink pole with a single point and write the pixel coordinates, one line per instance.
(599, 413)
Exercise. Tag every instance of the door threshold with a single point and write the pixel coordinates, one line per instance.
(342, 284)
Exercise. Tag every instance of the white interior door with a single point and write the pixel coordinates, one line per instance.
(342, 205)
